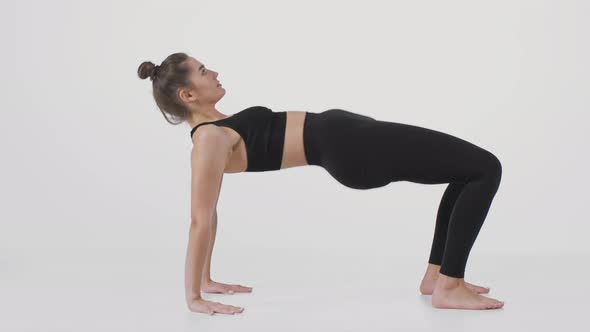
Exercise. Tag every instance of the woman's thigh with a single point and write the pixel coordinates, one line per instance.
(362, 153)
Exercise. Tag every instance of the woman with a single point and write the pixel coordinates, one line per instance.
(358, 151)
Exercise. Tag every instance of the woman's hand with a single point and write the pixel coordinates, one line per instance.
(217, 287)
(209, 307)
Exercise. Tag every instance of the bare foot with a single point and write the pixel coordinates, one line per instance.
(427, 287)
(452, 293)
(431, 275)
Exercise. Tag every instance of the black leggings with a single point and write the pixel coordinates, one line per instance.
(361, 152)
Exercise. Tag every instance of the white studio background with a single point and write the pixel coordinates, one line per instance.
(91, 170)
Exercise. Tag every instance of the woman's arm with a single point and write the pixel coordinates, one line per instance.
(198, 243)
(208, 160)
(208, 285)
(206, 276)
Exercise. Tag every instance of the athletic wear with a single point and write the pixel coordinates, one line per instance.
(263, 132)
(363, 153)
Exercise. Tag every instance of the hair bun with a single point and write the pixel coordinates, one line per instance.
(147, 69)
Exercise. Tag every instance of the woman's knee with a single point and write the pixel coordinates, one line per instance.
(493, 168)
(486, 166)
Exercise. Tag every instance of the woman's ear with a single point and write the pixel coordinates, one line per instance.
(187, 95)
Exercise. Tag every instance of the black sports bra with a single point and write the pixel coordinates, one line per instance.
(263, 132)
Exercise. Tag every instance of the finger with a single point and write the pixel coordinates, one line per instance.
(228, 310)
(239, 309)
(236, 309)
(210, 310)
(222, 308)
(241, 289)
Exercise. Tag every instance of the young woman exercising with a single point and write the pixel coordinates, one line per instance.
(359, 151)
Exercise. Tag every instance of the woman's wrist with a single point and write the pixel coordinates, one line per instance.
(193, 297)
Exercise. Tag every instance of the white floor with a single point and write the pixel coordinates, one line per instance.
(143, 290)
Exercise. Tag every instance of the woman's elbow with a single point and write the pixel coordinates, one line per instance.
(202, 219)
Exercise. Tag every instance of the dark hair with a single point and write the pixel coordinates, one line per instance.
(167, 78)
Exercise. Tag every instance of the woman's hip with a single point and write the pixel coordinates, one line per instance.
(360, 151)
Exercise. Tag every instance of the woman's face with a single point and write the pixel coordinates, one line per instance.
(206, 88)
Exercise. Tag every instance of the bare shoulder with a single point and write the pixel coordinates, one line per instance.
(211, 151)
(210, 142)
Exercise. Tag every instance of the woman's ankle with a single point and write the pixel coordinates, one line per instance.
(432, 271)
(447, 282)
